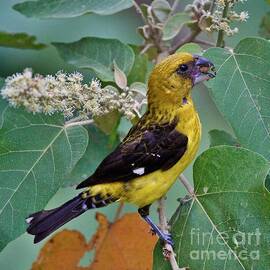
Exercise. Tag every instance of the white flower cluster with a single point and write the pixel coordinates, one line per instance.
(66, 93)
(211, 19)
(220, 23)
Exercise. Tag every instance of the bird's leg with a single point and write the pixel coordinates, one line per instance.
(144, 212)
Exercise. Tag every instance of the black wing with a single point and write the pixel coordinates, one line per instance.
(157, 147)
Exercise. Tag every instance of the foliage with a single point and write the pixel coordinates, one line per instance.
(265, 26)
(241, 91)
(99, 146)
(221, 137)
(108, 242)
(36, 152)
(223, 226)
(98, 54)
(19, 40)
(67, 9)
(42, 152)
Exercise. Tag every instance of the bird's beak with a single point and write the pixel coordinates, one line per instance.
(204, 70)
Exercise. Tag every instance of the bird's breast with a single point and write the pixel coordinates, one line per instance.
(149, 188)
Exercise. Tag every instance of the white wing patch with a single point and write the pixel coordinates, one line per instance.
(28, 220)
(139, 171)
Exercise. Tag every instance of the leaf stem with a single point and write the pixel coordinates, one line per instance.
(186, 184)
(220, 38)
(168, 249)
(79, 123)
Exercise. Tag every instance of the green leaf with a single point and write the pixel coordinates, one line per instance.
(174, 24)
(192, 48)
(226, 224)
(139, 69)
(98, 54)
(161, 9)
(67, 9)
(108, 123)
(241, 91)
(265, 26)
(98, 148)
(221, 137)
(19, 40)
(36, 153)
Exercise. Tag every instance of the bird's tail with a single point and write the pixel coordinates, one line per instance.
(43, 223)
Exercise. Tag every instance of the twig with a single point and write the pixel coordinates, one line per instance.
(138, 9)
(79, 123)
(118, 211)
(220, 38)
(186, 184)
(164, 227)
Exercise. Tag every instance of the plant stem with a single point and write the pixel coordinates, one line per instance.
(220, 38)
(79, 123)
(186, 184)
(164, 227)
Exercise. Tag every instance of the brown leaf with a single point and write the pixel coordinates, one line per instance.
(126, 244)
(63, 251)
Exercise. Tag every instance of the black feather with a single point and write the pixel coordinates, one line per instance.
(151, 148)
(43, 223)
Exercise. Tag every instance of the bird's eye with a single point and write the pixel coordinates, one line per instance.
(182, 69)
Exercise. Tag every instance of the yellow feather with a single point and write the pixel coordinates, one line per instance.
(166, 91)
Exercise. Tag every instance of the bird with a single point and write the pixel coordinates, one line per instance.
(147, 162)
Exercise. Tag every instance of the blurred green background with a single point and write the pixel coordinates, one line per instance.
(20, 254)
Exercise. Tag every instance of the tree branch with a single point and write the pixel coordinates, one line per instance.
(168, 249)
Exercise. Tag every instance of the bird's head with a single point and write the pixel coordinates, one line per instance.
(172, 79)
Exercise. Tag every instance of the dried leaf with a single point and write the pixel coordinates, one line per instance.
(63, 251)
(120, 77)
(125, 244)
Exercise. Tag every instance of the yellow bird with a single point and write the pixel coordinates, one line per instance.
(153, 154)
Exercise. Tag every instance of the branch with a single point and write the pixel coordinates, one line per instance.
(168, 249)
(79, 123)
